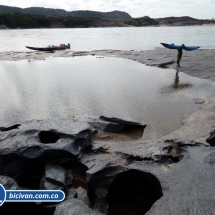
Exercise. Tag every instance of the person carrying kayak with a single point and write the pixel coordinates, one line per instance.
(180, 54)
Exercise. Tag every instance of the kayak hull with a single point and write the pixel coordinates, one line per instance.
(173, 46)
(48, 49)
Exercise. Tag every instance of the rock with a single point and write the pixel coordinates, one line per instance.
(159, 176)
(108, 127)
(120, 121)
(82, 195)
(54, 178)
(74, 207)
(9, 183)
(10, 128)
(199, 101)
(211, 138)
(113, 124)
(70, 194)
(121, 187)
(37, 137)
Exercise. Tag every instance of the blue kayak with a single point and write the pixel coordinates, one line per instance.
(173, 46)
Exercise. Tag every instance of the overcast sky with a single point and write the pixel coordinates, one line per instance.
(202, 9)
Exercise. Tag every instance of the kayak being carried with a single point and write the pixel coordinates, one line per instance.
(179, 49)
(173, 46)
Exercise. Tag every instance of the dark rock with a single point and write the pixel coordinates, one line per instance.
(211, 139)
(54, 178)
(170, 175)
(72, 137)
(117, 188)
(74, 207)
(120, 121)
(10, 128)
(29, 172)
(133, 192)
(8, 183)
(115, 125)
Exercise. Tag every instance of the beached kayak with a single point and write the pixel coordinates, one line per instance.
(51, 48)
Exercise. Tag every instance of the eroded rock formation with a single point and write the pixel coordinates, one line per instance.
(104, 167)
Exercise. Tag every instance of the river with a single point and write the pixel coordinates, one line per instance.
(124, 38)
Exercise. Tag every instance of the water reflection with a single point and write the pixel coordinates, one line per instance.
(176, 85)
(113, 87)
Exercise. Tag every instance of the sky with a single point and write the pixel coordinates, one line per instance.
(200, 9)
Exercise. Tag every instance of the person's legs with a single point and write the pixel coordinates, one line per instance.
(179, 58)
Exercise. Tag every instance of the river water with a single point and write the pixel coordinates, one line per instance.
(65, 87)
(127, 38)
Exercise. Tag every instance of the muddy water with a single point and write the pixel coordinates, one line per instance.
(65, 87)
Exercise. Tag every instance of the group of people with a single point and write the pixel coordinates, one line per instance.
(61, 45)
(64, 45)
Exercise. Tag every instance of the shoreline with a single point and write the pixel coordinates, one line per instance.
(111, 25)
(199, 63)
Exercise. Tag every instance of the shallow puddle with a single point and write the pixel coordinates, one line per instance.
(113, 87)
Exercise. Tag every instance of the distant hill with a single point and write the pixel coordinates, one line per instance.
(183, 21)
(117, 15)
(25, 21)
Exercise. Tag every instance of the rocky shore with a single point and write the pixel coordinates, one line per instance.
(103, 164)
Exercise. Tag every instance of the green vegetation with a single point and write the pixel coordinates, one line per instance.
(142, 21)
(119, 15)
(73, 22)
(17, 20)
(170, 22)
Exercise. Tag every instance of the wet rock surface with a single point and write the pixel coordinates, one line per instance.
(170, 175)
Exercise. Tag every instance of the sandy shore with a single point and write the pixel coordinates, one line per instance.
(199, 63)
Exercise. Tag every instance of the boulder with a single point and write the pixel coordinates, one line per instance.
(74, 207)
(54, 178)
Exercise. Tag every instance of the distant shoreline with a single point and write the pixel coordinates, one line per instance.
(4, 27)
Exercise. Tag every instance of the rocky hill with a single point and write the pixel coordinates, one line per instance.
(119, 15)
(183, 21)
(25, 21)
(34, 17)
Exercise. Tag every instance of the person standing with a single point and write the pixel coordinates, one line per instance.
(180, 54)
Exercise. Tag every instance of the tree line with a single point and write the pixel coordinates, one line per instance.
(17, 20)
(142, 21)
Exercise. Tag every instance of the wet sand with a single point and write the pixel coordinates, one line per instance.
(199, 63)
